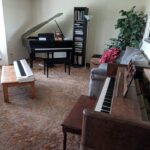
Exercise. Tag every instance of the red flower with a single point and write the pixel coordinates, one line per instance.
(110, 55)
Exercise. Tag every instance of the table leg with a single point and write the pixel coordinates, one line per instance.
(5, 92)
(65, 139)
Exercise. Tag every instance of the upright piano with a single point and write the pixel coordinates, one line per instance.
(135, 103)
(46, 43)
(120, 120)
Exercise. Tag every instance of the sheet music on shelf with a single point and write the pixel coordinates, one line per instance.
(128, 77)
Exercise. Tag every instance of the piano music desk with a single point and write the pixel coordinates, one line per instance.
(8, 79)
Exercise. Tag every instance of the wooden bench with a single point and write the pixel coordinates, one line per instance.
(8, 79)
(73, 122)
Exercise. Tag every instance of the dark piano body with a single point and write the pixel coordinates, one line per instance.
(37, 46)
(50, 45)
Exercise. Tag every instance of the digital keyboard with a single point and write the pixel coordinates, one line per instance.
(37, 46)
(105, 98)
(23, 71)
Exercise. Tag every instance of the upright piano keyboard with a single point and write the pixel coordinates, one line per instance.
(105, 99)
(112, 101)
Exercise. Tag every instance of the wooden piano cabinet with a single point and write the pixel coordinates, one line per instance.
(125, 107)
(143, 90)
(112, 69)
(125, 128)
(107, 132)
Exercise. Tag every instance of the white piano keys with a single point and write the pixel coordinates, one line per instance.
(26, 67)
(102, 95)
(28, 72)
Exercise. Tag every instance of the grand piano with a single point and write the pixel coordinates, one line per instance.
(45, 42)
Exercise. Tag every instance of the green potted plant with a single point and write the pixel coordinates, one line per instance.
(131, 27)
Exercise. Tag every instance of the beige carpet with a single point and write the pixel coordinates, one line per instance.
(35, 124)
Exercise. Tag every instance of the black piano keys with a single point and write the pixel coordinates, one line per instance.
(108, 97)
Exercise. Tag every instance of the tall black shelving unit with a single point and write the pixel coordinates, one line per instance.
(79, 36)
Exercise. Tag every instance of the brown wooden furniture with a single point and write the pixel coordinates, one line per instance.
(107, 132)
(125, 127)
(73, 122)
(8, 79)
(126, 107)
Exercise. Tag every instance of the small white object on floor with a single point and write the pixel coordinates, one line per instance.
(41, 65)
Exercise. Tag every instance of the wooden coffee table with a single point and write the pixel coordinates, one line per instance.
(8, 79)
(73, 122)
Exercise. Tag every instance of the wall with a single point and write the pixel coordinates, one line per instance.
(18, 16)
(100, 28)
(3, 47)
(147, 2)
(29, 13)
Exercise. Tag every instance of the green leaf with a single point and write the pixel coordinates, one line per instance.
(131, 26)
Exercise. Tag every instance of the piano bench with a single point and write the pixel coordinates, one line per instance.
(73, 122)
(51, 62)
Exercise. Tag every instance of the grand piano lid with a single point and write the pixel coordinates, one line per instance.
(35, 28)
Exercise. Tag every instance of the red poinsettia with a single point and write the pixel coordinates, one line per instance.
(110, 55)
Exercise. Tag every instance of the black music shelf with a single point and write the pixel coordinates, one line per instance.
(79, 36)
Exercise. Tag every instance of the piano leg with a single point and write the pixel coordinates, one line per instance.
(68, 61)
(69, 68)
(47, 70)
(44, 66)
(32, 57)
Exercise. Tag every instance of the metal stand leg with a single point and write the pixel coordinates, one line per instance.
(47, 68)
(65, 66)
